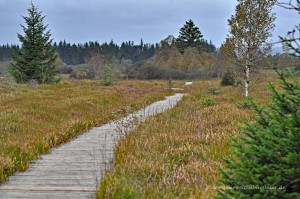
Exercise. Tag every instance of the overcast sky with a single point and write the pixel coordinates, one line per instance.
(78, 21)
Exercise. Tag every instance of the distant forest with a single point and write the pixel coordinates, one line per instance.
(73, 54)
(79, 60)
(142, 61)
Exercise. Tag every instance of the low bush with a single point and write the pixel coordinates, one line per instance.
(228, 79)
(213, 91)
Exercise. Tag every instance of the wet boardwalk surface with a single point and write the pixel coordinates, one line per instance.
(74, 170)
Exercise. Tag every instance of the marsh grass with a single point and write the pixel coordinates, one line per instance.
(33, 120)
(177, 154)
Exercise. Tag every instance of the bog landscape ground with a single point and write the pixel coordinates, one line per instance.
(176, 154)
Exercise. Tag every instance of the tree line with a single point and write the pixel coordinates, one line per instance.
(73, 54)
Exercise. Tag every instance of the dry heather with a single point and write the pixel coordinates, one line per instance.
(178, 153)
(34, 119)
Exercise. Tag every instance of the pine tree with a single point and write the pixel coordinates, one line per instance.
(189, 36)
(265, 161)
(36, 57)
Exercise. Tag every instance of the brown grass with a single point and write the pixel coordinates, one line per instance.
(178, 153)
(32, 120)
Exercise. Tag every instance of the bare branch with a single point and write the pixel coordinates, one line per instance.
(288, 5)
(283, 40)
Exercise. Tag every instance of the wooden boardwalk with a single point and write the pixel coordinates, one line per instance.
(74, 170)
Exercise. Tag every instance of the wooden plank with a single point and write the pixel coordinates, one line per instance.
(45, 194)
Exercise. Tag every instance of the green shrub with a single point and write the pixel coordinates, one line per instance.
(108, 75)
(266, 158)
(228, 79)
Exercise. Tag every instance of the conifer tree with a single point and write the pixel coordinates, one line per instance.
(189, 36)
(265, 161)
(36, 57)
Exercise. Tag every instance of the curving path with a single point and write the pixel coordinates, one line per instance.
(74, 170)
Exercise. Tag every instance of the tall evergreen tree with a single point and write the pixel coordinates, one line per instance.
(189, 36)
(36, 57)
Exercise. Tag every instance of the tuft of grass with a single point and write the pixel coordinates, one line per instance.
(207, 102)
(34, 120)
(213, 91)
(178, 153)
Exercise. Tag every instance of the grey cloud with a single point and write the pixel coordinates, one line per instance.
(123, 20)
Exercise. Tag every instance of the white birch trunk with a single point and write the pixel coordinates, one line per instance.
(247, 81)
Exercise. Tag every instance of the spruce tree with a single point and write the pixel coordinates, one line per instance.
(266, 158)
(189, 36)
(36, 57)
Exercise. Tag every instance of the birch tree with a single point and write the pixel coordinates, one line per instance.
(250, 29)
